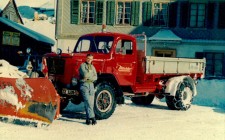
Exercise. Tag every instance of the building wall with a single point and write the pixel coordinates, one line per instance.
(11, 13)
(207, 36)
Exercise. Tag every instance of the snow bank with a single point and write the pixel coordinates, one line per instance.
(9, 71)
(211, 93)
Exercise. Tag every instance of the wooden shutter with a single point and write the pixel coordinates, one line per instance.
(184, 14)
(221, 15)
(74, 5)
(210, 15)
(135, 13)
(99, 12)
(110, 14)
(146, 13)
(172, 14)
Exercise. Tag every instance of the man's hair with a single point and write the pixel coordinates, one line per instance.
(89, 55)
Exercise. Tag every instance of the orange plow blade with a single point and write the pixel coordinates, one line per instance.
(28, 101)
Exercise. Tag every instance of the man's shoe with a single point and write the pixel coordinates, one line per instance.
(88, 122)
(94, 122)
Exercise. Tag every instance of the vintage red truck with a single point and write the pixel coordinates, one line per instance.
(123, 68)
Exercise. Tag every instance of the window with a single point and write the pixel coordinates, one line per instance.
(123, 13)
(98, 44)
(197, 15)
(87, 14)
(164, 53)
(11, 38)
(83, 45)
(124, 47)
(214, 64)
(160, 14)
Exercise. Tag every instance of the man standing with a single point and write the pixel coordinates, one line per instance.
(87, 76)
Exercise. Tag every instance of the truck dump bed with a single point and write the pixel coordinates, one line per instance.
(168, 65)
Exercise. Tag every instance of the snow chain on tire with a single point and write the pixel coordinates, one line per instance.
(177, 103)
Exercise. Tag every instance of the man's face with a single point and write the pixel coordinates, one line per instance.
(89, 59)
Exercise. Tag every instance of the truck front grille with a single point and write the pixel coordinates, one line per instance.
(55, 66)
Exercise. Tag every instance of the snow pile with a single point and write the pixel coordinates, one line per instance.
(210, 93)
(9, 71)
(8, 95)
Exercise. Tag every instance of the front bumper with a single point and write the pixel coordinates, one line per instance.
(69, 92)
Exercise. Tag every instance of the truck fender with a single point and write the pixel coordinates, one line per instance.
(172, 84)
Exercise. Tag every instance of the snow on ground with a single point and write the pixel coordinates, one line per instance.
(129, 122)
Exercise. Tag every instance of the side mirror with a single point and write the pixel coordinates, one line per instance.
(59, 51)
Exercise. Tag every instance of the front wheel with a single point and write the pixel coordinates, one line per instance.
(183, 98)
(105, 102)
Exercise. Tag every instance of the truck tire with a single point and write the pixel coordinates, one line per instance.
(143, 100)
(105, 102)
(183, 98)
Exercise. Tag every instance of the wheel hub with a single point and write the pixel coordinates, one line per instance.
(186, 95)
(104, 101)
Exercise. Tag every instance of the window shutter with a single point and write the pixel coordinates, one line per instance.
(74, 11)
(110, 14)
(221, 15)
(135, 13)
(184, 14)
(146, 13)
(172, 14)
(210, 15)
(99, 12)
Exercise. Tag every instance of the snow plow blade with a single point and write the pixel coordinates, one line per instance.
(28, 101)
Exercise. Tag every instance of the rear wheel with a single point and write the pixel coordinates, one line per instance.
(143, 100)
(105, 102)
(183, 98)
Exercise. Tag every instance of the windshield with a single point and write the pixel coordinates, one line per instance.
(99, 44)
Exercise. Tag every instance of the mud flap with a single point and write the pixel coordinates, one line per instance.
(28, 101)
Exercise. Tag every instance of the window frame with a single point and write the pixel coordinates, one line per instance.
(88, 12)
(201, 55)
(157, 18)
(123, 13)
(124, 47)
(164, 52)
(213, 72)
(196, 16)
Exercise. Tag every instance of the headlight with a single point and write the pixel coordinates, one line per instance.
(28, 50)
(59, 51)
(74, 81)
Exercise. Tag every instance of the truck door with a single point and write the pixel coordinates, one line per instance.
(125, 62)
